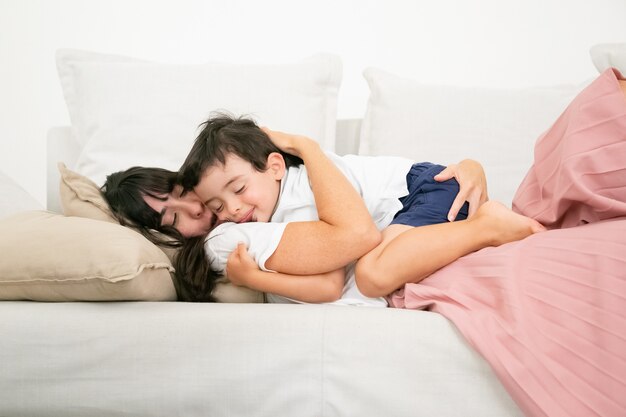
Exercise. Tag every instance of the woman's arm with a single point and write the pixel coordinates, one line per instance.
(322, 288)
(345, 230)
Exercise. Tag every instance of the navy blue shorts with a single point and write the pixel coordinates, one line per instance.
(428, 201)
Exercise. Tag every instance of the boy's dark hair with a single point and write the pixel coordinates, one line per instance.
(223, 134)
(125, 191)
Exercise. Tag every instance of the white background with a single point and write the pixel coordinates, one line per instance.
(468, 42)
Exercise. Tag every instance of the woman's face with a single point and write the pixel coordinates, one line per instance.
(185, 212)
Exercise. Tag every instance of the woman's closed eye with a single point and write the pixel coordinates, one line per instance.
(175, 220)
(240, 190)
(165, 217)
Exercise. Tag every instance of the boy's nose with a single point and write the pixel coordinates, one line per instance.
(233, 208)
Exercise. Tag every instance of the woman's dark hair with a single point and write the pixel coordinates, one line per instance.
(195, 280)
(125, 191)
(223, 134)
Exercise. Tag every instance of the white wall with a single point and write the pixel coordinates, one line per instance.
(480, 42)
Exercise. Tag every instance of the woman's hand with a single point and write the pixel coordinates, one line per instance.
(472, 186)
(289, 143)
(240, 266)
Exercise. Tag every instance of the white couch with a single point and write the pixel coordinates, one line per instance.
(183, 359)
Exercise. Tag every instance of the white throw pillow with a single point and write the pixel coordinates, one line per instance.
(445, 124)
(13, 198)
(127, 112)
(609, 55)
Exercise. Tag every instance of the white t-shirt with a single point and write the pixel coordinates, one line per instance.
(380, 180)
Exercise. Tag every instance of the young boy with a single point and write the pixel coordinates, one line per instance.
(240, 175)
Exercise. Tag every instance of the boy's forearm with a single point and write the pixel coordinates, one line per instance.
(321, 288)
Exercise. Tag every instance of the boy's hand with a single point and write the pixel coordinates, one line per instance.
(472, 186)
(289, 143)
(240, 266)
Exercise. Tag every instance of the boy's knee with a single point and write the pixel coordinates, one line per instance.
(369, 280)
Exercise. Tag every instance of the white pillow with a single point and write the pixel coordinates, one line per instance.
(13, 198)
(128, 112)
(609, 55)
(445, 124)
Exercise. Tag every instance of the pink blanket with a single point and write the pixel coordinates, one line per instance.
(549, 312)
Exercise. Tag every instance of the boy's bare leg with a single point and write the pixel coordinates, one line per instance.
(409, 254)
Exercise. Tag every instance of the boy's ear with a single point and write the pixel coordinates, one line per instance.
(276, 165)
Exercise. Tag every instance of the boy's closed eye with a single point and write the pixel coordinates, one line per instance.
(215, 206)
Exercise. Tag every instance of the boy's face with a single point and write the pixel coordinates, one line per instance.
(237, 192)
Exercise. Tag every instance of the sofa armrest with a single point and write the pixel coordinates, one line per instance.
(62, 147)
(347, 136)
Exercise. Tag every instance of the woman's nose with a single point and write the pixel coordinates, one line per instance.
(197, 209)
(193, 207)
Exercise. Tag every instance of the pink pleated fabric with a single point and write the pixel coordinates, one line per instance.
(579, 172)
(549, 312)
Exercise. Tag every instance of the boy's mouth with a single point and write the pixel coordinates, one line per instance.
(247, 217)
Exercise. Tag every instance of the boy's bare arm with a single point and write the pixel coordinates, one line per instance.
(241, 269)
(345, 230)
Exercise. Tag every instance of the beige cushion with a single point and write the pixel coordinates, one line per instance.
(81, 197)
(50, 257)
